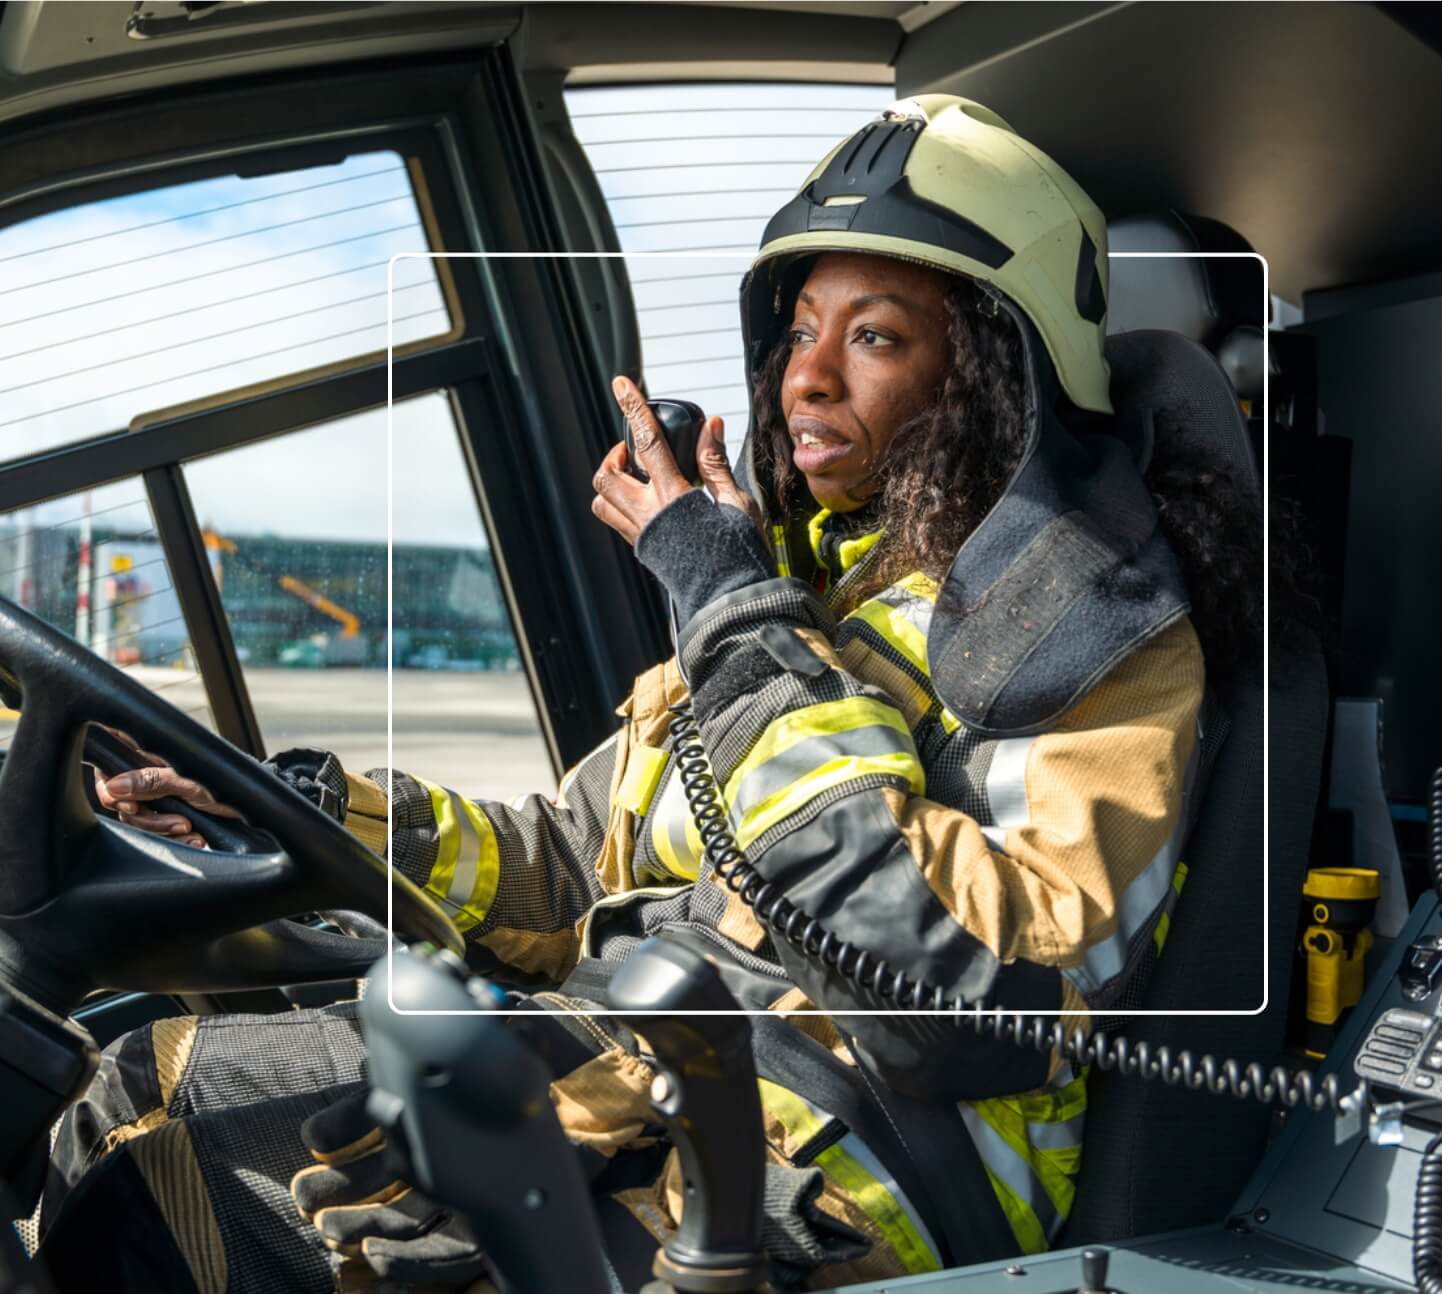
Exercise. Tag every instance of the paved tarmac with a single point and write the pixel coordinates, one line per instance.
(474, 732)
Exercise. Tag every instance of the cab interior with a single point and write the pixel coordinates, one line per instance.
(277, 416)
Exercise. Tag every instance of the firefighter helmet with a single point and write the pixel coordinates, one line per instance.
(946, 182)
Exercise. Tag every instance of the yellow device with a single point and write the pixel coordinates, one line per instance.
(1340, 903)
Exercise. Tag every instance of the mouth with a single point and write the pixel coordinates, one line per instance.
(816, 446)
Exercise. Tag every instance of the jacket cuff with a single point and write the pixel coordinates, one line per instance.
(700, 550)
(317, 775)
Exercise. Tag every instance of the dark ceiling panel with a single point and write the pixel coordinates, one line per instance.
(573, 35)
(1308, 127)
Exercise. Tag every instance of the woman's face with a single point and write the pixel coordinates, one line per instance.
(869, 349)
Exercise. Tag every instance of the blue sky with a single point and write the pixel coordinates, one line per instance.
(126, 306)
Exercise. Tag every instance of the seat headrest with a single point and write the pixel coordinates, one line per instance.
(1163, 384)
(1203, 298)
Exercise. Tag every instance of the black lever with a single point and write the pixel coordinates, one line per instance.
(46, 1062)
(467, 1112)
(706, 1092)
(1094, 1271)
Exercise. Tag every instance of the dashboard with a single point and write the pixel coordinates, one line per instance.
(1330, 1208)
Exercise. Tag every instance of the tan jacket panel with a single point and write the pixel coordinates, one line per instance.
(1103, 795)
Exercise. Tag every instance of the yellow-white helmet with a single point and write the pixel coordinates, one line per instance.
(946, 182)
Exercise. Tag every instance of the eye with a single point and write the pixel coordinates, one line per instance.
(799, 335)
(870, 337)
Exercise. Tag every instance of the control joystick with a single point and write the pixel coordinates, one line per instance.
(1094, 1271)
(707, 1094)
(466, 1110)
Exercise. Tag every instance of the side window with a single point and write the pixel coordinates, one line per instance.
(116, 313)
(91, 565)
(144, 302)
(296, 531)
(697, 168)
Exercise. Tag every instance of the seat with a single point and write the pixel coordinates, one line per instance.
(1209, 288)
(1206, 285)
(1158, 1158)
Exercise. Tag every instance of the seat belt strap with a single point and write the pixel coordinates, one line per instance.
(943, 1178)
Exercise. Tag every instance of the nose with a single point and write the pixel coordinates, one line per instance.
(814, 372)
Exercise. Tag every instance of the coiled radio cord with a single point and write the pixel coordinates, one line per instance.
(873, 974)
(1427, 1221)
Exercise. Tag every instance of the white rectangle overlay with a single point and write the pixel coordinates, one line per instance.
(743, 259)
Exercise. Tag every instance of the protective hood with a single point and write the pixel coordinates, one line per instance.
(1069, 572)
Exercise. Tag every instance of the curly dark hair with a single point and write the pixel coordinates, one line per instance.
(948, 466)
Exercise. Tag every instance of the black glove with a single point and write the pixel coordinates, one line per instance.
(379, 1226)
(797, 1234)
(317, 775)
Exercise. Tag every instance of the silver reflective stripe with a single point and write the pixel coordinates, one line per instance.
(670, 815)
(468, 857)
(794, 763)
(1006, 783)
(852, 1145)
(1148, 892)
(1057, 1136)
(912, 605)
(1106, 960)
(1009, 1167)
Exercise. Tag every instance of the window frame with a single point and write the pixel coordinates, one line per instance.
(517, 370)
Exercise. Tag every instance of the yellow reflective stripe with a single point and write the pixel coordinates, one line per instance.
(848, 551)
(881, 1207)
(1025, 1225)
(797, 1115)
(459, 825)
(448, 840)
(851, 551)
(644, 766)
(859, 657)
(802, 1121)
(813, 533)
(793, 798)
(781, 549)
(825, 719)
(488, 870)
(919, 585)
(949, 722)
(1164, 922)
(1004, 1116)
(1053, 1105)
(893, 625)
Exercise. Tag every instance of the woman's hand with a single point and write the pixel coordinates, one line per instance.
(628, 505)
(152, 779)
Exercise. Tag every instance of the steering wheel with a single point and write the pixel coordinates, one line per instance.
(87, 902)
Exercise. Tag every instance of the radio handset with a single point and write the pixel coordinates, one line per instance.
(681, 423)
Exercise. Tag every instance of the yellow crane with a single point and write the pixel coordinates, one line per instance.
(349, 622)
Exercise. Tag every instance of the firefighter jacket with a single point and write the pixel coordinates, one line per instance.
(1034, 872)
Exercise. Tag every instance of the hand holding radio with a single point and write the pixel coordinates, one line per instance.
(668, 443)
